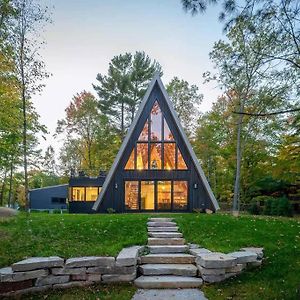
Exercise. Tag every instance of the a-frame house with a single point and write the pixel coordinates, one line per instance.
(156, 168)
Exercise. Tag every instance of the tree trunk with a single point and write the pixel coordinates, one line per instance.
(3, 188)
(23, 98)
(10, 183)
(122, 120)
(236, 195)
(25, 150)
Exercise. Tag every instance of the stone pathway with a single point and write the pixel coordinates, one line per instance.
(184, 294)
(168, 272)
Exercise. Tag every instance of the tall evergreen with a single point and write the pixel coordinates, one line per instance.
(121, 90)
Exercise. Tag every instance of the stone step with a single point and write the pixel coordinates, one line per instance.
(168, 249)
(161, 224)
(168, 269)
(165, 241)
(166, 258)
(163, 229)
(160, 219)
(165, 234)
(167, 294)
(171, 282)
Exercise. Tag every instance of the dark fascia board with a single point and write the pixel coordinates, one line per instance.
(49, 187)
(110, 174)
(86, 181)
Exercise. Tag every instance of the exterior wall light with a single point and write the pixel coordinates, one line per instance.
(116, 186)
(195, 186)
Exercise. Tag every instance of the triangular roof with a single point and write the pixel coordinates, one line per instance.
(156, 79)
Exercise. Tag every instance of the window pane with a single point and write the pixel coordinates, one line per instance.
(180, 194)
(181, 165)
(78, 194)
(131, 195)
(164, 194)
(142, 156)
(91, 193)
(147, 194)
(156, 126)
(169, 156)
(144, 134)
(130, 162)
(155, 156)
(168, 136)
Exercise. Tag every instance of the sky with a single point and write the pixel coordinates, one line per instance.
(85, 35)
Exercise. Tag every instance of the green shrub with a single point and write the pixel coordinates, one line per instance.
(274, 207)
(254, 208)
(111, 210)
(268, 206)
(284, 207)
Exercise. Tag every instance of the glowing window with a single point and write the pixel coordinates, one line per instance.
(147, 195)
(164, 195)
(156, 122)
(181, 165)
(168, 136)
(180, 195)
(91, 193)
(78, 194)
(131, 195)
(155, 156)
(144, 136)
(142, 156)
(130, 162)
(169, 156)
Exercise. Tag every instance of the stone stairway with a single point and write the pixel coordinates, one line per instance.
(167, 265)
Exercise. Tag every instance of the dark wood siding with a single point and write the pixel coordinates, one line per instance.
(114, 196)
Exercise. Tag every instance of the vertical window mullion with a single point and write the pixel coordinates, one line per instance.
(139, 194)
(149, 138)
(176, 157)
(135, 156)
(172, 191)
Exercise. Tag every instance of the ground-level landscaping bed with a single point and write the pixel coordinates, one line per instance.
(66, 235)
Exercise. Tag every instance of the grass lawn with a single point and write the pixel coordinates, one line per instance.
(66, 235)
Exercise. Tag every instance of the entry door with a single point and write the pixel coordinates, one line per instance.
(164, 195)
(156, 195)
(160, 195)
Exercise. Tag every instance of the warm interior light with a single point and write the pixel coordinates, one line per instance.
(139, 162)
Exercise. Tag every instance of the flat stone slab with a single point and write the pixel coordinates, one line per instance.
(165, 241)
(206, 271)
(169, 294)
(8, 275)
(243, 257)
(164, 229)
(119, 277)
(168, 249)
(52, 279)
(171, 282)
(214, 278)
(160, 219)
(165, 234)
(72, 284)
(236, 269)
(90, 261)
(258, 250)
(169, 269)
(161, 224)
(199, 251)
(128, 256)
(112, 270)
(68, 271)
(216, 260)
(167, 258)
(34, 263)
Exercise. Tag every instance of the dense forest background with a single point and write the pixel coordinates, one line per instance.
(248, 143)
